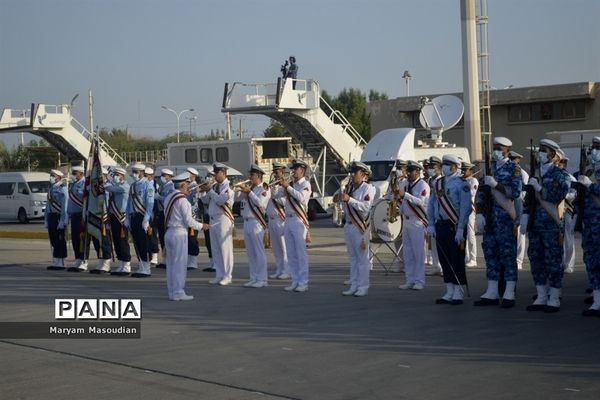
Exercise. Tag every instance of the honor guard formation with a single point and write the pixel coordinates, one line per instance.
(439, 201)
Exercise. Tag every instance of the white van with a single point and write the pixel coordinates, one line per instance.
(23, 195)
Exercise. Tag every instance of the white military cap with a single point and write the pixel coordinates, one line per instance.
(183, 177)
(596, 140)
(359, 166)
(550, 144)
(256, 168)
(120, 170)
(299, 163)
(219, 166)
(466, 165)
(149, 171)
(561, 154)
(166, 171)
(513, 154)
(502, 141)
(138, 167)
(56, 172)
(77, 168)
(412, 165)
(451, 158)
(277, 165)
(192, 171)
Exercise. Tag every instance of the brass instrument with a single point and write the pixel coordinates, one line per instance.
(206, 184)
(338, 210)
(238, 186)
(392, 214)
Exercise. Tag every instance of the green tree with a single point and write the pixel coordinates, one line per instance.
(374, 95)
(275, 129)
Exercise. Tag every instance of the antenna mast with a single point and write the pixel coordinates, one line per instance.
(483, 57)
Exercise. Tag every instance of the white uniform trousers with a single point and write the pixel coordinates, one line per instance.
(278, 245)
(176, 242)
(413, 235)
(358, 256)
(521, 247)
(254, 236)
(221, 243)
(471, 249)
(569, 242)
(295, 243)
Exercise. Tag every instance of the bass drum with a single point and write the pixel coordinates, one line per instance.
(382, 229)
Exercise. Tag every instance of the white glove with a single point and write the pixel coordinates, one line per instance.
(570, 196)
(535, 184)
(431, 230)
(480, 223)
(524, 222)
(460, 235)
(490, 181)
(584, 180)
(145, 224)
(126, 222)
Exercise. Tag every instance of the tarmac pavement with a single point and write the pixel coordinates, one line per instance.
(238, 343)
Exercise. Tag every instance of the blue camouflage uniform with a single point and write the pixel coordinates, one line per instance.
(75, 211)
(117, 206)
(57, 195)
(545, 250)
(452, 256)
(499, 243)
(143, 192)
(591, 235)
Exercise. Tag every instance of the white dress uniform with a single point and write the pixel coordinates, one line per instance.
(522, 237)
(357, 242)
(569, 239)
(221, 230)
(295, 234)
(471, 245)
(254, 232)
(276, 214)
(413, 210)
(180, 218)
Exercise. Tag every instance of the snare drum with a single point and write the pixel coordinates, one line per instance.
(382, 229)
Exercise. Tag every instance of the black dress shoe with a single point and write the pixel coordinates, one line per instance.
(456, 302)
(507, 303)
(98, 271)
(551, 309)
(589, 300)
(442, 301)
(536, 307)
(120, 273)
(209, 269)
(161, 266)
(591, 313)
(55, 268)
(138, 275)
(486, 302)
(73, 269)
(589, 290)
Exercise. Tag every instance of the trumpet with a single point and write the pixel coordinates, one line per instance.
(238, 186)
(206, 184)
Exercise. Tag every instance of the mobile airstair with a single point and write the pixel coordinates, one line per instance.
(56, 125)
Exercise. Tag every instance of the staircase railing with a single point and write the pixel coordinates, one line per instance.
(103, 145)
(346, 125)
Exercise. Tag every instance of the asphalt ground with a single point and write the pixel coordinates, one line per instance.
(237, 343)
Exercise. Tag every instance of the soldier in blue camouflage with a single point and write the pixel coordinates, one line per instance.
(591, 230)
(500, 238)
(543, 221)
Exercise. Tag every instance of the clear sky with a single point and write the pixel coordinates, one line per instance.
(136, 55)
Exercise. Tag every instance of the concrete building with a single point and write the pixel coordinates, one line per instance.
(517, 113)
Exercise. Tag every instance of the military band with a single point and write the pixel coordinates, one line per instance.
(56, 219)
(276, 216)
(75, 211)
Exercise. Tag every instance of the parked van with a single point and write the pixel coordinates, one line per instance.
(23, 195)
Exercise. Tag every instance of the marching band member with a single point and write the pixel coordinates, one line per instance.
(139, 212)
(414, 193)
(103, 246)
(448, 216)
(254, 200)
(75, 211)
(166, 187)
(178, 219)
(276, 214)
(118, 191)
(500, 237)
(192, 198)
(56, 219)
(357, 200)
(471, 249)
(521, 237)
(296, 225)
(219, 200)
(544, 209)
(153, 232)
(434, 171)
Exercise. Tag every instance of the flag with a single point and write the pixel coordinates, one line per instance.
(94, 194)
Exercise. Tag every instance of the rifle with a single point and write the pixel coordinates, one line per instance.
(581, 189)
(483, 197)
(530, 203)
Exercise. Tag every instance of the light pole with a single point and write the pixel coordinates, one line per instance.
(194, 118)
(178, 115)
(407, 77)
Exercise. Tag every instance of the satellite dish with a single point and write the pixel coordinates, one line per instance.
(440, 114)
